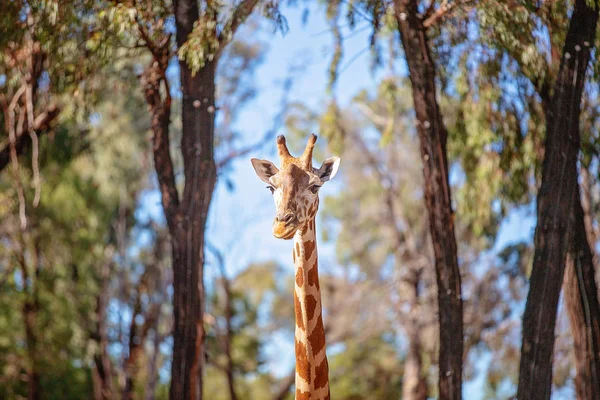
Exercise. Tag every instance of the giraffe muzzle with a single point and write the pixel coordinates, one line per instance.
(285, 226)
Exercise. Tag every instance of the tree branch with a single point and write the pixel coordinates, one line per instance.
(240, 14)
(41, 124)
(431, 16)
(438, 14)
(160, 111)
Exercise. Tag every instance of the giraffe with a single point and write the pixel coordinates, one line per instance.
(295, 190)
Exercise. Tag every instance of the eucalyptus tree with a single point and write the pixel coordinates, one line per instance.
(198, 33)
(419, 25)
(521, 47)
(555, 227)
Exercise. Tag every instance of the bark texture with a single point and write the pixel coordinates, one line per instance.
(189, 229)
(581, 298)
(555, 201)
(432, 137)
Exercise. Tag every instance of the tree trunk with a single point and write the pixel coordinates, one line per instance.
(188, 333)
(186, 217)
(33, 377)
(29, 310)
(432, 136)
(102, 375)
(136, 343)
(581, 298)
(188, 229)
(556, 199)
(414, 384)
(153, 364)
(228, 338)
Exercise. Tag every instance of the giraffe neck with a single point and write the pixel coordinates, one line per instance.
(312, 371)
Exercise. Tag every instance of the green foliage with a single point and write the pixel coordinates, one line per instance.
(202, 43)
(67, 33)
(68, 238)
(212, 30)
(366, 370)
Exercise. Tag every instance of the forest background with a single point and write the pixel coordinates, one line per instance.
(87, 271)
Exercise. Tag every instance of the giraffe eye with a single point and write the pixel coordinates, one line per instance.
(314, 188)
(271, 188)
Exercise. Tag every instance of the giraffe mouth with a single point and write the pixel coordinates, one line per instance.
(284, 231)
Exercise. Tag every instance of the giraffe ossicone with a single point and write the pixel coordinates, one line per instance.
(295, 189)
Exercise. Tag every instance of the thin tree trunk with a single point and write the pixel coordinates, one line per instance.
(286, 384)
(33, 376)
(30, 309)
(138, 334)
(153, 365)
(432, 136)
(581, 298)
(556, 199)
(228, 338)
(102, 374)
(414, 384)
(131, 366)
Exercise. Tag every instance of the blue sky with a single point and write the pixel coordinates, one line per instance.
(240, 220)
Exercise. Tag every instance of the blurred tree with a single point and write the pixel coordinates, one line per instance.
(52, 270)
(236, 337)
(60, 265)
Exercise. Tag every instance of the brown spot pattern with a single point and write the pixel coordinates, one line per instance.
(321, 374)
(298, 311)
(302, 365)
(313, 275)
(309, 247)
(326, 397)
(311, 304)
(300, 276)
(302, 395)
(293, 179)
(317, 337)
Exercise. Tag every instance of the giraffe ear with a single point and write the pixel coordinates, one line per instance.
(328, 169)
(264, 169)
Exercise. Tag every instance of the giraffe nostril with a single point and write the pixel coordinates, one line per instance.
(285, 218)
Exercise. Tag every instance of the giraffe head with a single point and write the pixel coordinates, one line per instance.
(295, 187)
